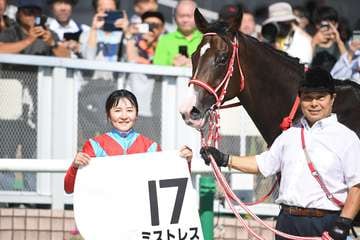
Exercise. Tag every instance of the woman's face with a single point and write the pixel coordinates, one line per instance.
(106, 5)
(123, 116)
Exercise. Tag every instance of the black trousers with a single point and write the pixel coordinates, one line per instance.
(304, 226)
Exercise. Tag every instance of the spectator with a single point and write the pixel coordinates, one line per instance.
(63, 25)
(303, 16)
(327, 37)
(281, 30)
(122, 111)
(27, 38)
(5, 21)
(142, 6)
(104, 44)
(176, 48)
(141, 47)
(317, 143)
(348, 66)
(248, 24)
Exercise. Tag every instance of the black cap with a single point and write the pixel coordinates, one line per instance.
(317, 80)
(30, 4)
(230, 11)
(71, 2)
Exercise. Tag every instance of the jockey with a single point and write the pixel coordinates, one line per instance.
(122, 111)
(318, 160)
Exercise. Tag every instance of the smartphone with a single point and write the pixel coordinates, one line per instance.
(143, 27)
(110, 19)
(72, 36)
(40, 21)
(183, 50)
(356, 35)
(324, 26)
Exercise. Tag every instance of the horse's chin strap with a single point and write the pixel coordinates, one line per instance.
(214, 127)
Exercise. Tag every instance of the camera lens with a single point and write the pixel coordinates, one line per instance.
(269, 32)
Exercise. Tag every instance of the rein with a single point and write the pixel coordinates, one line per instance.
(214, 125)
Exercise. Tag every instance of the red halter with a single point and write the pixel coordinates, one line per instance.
(223, 85)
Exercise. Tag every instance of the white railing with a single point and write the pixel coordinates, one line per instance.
(57, 123)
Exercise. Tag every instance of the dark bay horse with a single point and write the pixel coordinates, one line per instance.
(263, 79)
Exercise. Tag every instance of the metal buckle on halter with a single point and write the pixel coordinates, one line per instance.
(315, 173)
(329, 196)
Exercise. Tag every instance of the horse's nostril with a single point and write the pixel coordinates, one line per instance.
(195, 113)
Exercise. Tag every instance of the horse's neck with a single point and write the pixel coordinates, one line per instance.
(270, 91)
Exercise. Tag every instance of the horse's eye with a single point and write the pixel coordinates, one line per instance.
(221, 59)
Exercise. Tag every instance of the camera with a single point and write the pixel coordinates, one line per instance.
(143, 27)
(356, 35)
(110, 19)
(324, 25)
(40, 21)
(270, 32)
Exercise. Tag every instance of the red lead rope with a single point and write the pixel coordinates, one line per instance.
(316, 174)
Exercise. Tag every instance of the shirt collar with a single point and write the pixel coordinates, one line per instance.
(123, 134)
(194, 35)
(322, 123)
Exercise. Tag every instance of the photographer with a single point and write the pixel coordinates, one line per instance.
(141, 47)
(27, 36)
(281, 31)
(348, 65)
(104, 40)
(327, 38)
(67, 30)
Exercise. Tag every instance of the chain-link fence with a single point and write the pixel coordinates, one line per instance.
(50, 113)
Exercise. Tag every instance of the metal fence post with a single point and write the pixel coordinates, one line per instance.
(207, 192)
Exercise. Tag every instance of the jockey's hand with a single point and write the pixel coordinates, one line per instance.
(340, 229)
(221, 159)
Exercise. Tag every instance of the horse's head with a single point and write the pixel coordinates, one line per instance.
(213, 64)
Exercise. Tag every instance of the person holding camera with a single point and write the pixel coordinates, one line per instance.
(29, 35)
(67, 30)
(140, 48)
(327, 39)
(175, 48)
(105, 38)
(318, 158)
(348, 65)
(281, 30)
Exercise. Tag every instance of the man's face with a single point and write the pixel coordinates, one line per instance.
(316, 105)
(62, 11)
(184, 17)
(248, 24)
(157, 28)
(2, 7)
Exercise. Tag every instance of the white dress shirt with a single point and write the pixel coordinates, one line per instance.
(334, 149)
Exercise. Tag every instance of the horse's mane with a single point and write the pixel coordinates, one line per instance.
(222, 29)
(283, 56)
(343, 84)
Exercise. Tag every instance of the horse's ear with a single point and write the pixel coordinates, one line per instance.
(234, 23)
(200, 21)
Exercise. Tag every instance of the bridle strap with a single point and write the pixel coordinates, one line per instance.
(316, 174)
